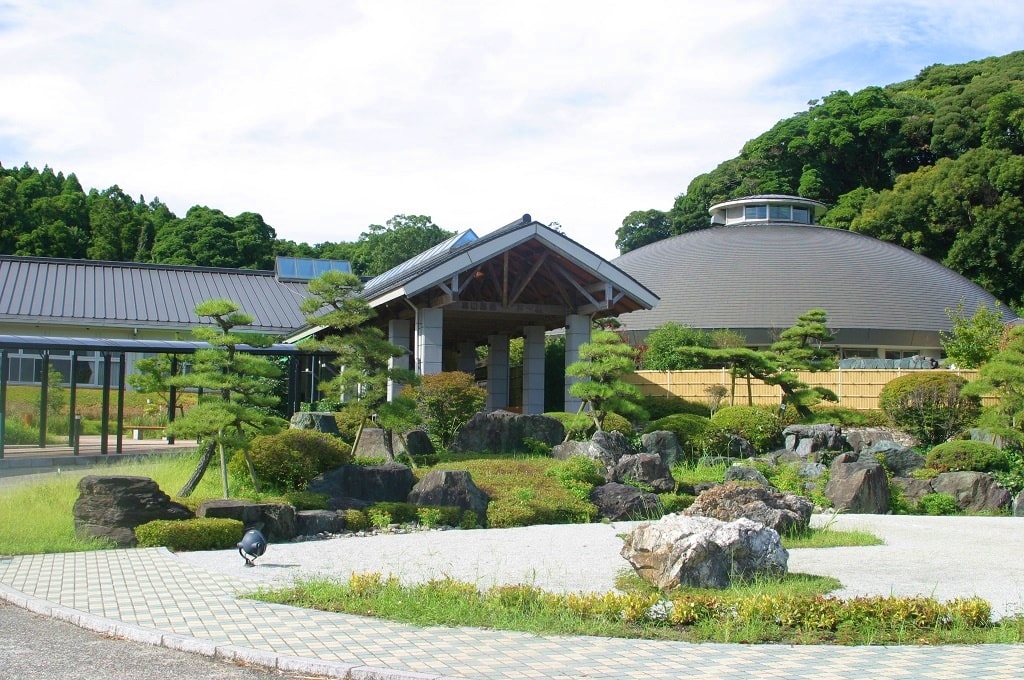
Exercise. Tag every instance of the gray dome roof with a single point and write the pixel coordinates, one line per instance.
(757, 277)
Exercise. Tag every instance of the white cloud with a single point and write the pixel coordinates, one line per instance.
(326, 117)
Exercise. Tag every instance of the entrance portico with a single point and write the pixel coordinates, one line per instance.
(520, 281)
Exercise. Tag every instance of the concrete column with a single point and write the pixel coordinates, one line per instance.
(398, 334)
(577, 332)
(429, 330)
(467, 357)
(533, 369)
(497, 372)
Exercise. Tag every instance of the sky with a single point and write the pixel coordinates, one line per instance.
(327, 116)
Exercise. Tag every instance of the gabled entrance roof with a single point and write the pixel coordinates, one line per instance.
(524, 273)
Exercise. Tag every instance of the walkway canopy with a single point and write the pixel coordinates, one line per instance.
(302, 374)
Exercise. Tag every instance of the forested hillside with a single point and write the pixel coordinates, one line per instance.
(47, 214)
(935, 164)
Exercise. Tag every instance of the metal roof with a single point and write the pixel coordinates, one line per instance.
(85, 292)
(35, 342)
(764, 275)
(465, 250)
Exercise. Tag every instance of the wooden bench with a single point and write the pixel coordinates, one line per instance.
(137, 430)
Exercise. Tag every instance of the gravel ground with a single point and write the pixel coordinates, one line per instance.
(940, 557)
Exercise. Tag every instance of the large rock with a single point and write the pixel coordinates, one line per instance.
(314, 522)
(605, 447)
(1018, 505)
(663, 443)
(111, 506)
(703, 552)
(747, 473)
(506, 432)
(315, 420)
(857, 486)
(973, 491)
(913, 489)
(901, 460)
(807, 440)
(275, 520)
(441, 488)
(860, 438)
(371, 444)
(373, 483)
(783, 512)
(622, 502)
(645, 470)
(419, 443)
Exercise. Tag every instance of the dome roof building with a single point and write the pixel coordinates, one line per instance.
(765, 261)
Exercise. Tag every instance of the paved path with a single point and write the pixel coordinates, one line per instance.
(151, 595)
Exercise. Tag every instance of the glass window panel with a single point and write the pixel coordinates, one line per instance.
(802, 215)
(755, 212)
(779, 212)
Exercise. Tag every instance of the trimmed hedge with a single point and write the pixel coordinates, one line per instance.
(929, 405)
(690, 430)
(967, 456)
(760, 427)
(291, 459)
(659, 407)
(201, 533)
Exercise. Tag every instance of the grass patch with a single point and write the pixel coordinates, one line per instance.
(830, 538)
(791, 610)
(45, 508)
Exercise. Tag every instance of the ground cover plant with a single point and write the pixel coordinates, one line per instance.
(793, 610)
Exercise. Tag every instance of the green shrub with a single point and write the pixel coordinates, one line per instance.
(446, 401)
(439, 516)
(966, 455)
(201, 533)
(577, 426)
(578, 469)
(356, 520)
(690, 431)
(348, 420)
(580, 426)
(401, 513)
(758, 426)
(659, 407)
(929, 405)
(17, 433)
(937, 504)
(469, 520)
(289, 460)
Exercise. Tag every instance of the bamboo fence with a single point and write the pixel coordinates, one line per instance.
(857, 389)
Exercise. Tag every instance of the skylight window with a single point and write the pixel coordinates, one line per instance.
(307, 268)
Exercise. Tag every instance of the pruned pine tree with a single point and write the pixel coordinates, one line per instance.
(602, 363)
(362, 354)
(238, 391)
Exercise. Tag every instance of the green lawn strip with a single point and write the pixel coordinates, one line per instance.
(793, 610)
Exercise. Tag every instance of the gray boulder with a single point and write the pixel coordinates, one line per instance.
(371, 444)
(506, 432)
(783, 512)
(314, 522)
(860, 438)
(746, 473)
(419, 443)
(374, 483)
(703, 552)
(663, 443)
(621, 502)
(807, 440)
(901, 460)
(973, 491)
(605, 447)
(913, 489)
(857, 486)
(111, 506)
(644, 469)
(320, 421)
(275, 520)
(441, 488)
